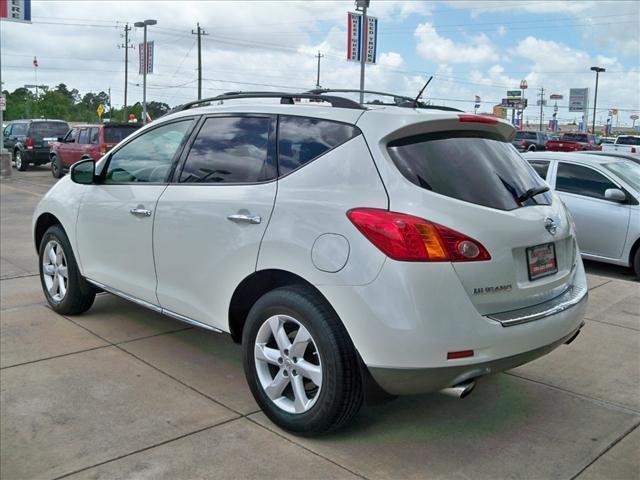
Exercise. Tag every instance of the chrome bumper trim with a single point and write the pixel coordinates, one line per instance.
(569, 298)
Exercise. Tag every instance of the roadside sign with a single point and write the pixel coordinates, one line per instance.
(15, 10)
(514, 93)
(514, 103)
(578, 99)
(100, 110)
(355, 37)
(150, 55)
(555, 96)
(3, 103)
(500, 111)
(634, 117)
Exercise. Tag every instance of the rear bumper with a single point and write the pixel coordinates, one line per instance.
(37, 155)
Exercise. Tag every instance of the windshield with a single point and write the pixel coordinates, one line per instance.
(49, 129)
(113, 134)
(475, 167)
(628, 141)
(574, 137)
(628, 171)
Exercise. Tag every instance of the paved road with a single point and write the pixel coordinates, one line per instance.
(122, 392)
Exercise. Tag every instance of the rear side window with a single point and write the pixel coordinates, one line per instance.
(540, 167)
(475, 167)
(94, 135)
(83, 138)
(575, 137)
(302, 139)
(581, 181)
(628, 141)
(232, 150)
(49, 129)
(113, 134)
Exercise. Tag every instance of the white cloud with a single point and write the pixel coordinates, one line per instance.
(501, 31)
(438, 49)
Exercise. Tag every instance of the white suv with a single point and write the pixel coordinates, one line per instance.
(352, 249)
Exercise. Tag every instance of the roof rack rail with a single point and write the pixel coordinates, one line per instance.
(398, 100)
(285, 98)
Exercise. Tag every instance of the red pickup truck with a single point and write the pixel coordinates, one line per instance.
(573, 142)
(86, 141)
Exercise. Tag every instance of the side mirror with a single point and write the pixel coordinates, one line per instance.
(615, 195)
(60, 139)
(83, 172)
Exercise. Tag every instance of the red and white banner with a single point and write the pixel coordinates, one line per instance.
(356, 37)
(141, 57)
(15, 10)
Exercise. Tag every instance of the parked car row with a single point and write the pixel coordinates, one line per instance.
(40, 141)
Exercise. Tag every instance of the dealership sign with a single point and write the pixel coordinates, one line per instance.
(356, 37)
(150, 55)
(578, 99)
(555, 96)
(514, 93)
(514, 103)
(15, 10)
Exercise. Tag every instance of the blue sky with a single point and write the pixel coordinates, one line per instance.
(471, 47)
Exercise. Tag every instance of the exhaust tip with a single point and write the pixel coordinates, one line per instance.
(460, 390)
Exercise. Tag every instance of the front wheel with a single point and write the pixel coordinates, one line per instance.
(65, 289)
(300, 363)
(636, 263)
(21, 165)
(56, 167)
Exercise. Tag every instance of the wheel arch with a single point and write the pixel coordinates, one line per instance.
(255, 286)
(632, 252)
(43, 223)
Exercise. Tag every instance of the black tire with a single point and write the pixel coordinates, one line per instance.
(21, 165)
(79, 294)
(532, 148)
(341, 393)
(56, 167)
(636, 263)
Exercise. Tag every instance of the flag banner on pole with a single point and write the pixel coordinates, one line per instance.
(35, 62)
(15, 10)
(150, 54)
(356, 35)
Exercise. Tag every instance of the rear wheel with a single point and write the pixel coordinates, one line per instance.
(56, 167)
(636, 262)
(532, 148)
(65, 289)
(300, 363)
(21, 165)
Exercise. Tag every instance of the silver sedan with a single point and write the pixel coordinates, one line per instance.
(602, 194)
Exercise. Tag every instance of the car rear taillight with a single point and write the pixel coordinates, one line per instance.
(633, 150)
(523, 144)
(413, 239)
(465, 117)
(103, 150)
(29, 143)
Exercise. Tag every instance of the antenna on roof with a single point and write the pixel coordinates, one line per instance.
(415, 102)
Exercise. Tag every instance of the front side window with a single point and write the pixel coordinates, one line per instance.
(475, 167)
(232, 150)
(302, 139)
(7, 130)
(581, 181)
(83, 138)
(72, 135)
(540, 167)
(148, 158)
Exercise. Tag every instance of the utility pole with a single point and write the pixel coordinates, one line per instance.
(541, 105)
(110, 118)
(199, 32)
(364, 4)
(126, 45)
(318, 56)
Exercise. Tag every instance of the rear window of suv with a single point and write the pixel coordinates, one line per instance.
(475, 167)
(49, 129)
(113, 134)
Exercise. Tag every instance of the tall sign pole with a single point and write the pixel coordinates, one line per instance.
(145, 66)
(318, 56)
(364, 4)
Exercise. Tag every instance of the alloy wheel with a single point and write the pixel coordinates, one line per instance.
(288, 364)
(54, 271)
(18, 160)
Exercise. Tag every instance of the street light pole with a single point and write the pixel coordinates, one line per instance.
(595, 100)
(145, 66)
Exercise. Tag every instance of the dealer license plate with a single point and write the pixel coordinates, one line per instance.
(541, 261)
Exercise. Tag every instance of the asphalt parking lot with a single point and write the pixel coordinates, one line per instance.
(122, 392)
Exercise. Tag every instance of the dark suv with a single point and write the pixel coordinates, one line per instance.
(530, 141)
(29, 140)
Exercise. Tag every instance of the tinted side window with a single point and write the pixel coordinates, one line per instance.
(71, 135)
(84, 136)
(232, 150)
(581, 180)
(301, 139)
(541, 167)
(19, 129)
(148, 158)
(94, 135)
(7, 130)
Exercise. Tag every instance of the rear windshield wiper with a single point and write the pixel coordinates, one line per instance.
(532, 192)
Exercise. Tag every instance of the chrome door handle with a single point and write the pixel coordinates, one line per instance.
(254, 219)
(140, 212)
